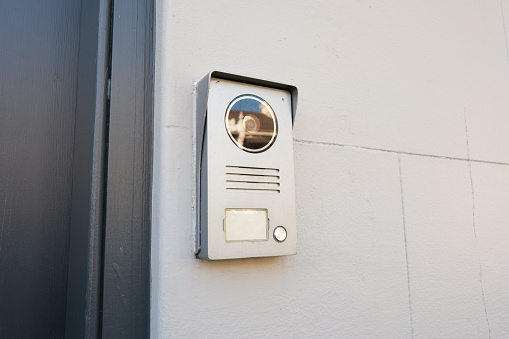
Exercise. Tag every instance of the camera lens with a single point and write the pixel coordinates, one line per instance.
(251, 123)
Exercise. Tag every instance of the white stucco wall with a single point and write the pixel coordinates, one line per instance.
(401, 161)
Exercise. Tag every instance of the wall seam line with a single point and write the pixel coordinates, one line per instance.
(505, 32)
(474, 228)
(323, 143)
(406, 248)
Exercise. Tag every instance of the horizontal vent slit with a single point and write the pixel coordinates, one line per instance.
(253, 189)
(255, 175)
(254, 182)
(255, 168)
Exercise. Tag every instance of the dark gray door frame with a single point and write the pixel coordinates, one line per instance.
(126, 285)
(109, 255)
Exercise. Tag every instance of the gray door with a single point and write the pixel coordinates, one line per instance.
(39, 43)
(75, 168)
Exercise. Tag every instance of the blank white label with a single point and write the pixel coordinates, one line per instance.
(243, 224)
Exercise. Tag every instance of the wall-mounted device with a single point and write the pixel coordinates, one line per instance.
(244, 160)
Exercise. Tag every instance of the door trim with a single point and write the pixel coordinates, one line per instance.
(126, 277)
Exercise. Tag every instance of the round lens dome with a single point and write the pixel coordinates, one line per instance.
(251, 123)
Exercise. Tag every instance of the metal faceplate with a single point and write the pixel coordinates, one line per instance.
(243, 195)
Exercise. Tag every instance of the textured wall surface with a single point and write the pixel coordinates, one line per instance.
(401, 160)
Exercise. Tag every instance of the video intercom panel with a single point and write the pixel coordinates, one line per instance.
(245, 193)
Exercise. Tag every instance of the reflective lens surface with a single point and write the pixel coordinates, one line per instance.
(251, 123)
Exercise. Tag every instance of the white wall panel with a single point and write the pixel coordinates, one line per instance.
(487, 100)
(446, 292)
(491, 197)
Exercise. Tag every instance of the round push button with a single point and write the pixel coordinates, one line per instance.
(280, 234)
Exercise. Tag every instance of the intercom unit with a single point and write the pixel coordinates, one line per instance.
(244, 160)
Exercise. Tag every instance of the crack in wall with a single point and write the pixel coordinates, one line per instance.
(406, 249)
(474, 228)
(332, 144)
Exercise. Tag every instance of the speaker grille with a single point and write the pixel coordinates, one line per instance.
(255, 179)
